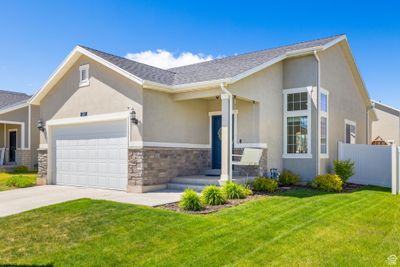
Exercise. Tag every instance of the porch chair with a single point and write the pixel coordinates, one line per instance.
(251, 157)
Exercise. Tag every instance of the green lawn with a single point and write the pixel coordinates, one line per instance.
(299, 228)
(5, 175)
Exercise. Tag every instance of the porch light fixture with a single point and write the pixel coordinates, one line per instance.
(40, 125)
(132, 115)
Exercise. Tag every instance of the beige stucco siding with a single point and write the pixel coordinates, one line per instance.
(387, 126)
(299, 72)
(19, 115)
(345, 101)
(302, 72)
(264, 87)
(167, 120)
(108, 92)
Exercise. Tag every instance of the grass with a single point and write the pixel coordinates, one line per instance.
(4, 176)
(298, 228)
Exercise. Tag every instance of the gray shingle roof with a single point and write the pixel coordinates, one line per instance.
(9, 99)
(143, 71)
(206, 71)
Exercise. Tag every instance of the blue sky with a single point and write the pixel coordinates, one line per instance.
(35, 36)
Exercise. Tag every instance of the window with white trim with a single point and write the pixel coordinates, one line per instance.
(297, 123)
(324, 125)
(350, 132)
(84, 75)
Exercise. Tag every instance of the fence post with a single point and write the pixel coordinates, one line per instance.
(395, 171)
(397, 149)
(340, 150)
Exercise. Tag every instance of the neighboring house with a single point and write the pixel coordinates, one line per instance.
(18, 137)
(115, 123)
(387, 126)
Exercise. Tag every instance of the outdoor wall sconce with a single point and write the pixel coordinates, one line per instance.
(40, 125)
(132, 116)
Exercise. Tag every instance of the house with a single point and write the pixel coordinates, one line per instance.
(19, 138)
(387, 127)
(109, 122)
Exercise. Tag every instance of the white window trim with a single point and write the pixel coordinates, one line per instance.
(297, 113)
(85, 82)
(353, 123)
(325, 115)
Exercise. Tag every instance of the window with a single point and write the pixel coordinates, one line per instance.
(297, 135)
(297, 101)
(84, 75)
(324, 100)
(297, 123)
(324, 135)
(350, 132)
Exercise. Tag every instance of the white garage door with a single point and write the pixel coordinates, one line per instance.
(92, 155)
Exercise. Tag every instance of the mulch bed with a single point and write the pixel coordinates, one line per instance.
(348, 188)
(210, 209)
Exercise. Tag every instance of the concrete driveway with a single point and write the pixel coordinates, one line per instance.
(19, 200)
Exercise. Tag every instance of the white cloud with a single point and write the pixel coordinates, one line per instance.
(165, 59)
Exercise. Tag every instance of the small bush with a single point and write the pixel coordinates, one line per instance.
(265, 184)
(20, 181)
(235, 191)
(247, 190)
(288, 178)
(21, 169)
(344, 168)
(213, 195)
(190, 200)
(328, 182)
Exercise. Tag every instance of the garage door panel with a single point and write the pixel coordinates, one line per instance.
(92, 155)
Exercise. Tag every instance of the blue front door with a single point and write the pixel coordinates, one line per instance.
(216, 142)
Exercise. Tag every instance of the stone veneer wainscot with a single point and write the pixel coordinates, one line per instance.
(153, 167)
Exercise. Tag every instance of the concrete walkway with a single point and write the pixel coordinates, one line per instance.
(19, 200)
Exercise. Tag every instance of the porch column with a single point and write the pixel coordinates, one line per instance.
(225, 143)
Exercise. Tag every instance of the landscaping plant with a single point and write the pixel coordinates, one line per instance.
(328, 182)
(288, 178)
(20, 181)
(190, 200)
(344, 168)
(21, 169)
(213, 195)
(265, 184)
(235, 191)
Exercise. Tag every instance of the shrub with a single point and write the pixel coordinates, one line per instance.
(20, 181)
(190, 200)
(288, 178)
(247, 190)
(328, 182)
(213, 195)
(235, 191)
(344, 168)
(21, 169)
(265, 184)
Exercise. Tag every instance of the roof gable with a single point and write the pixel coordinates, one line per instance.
(196, 76)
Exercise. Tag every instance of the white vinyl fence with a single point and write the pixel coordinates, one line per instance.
(374, 164)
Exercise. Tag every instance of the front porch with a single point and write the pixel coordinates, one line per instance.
(13, 149)
(195, 135)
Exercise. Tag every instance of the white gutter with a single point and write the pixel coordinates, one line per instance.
(369, 108)
(318, 132)
(229, 131)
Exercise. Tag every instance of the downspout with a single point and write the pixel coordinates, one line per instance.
(369, 108)
(230, 112)
(318, 152)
